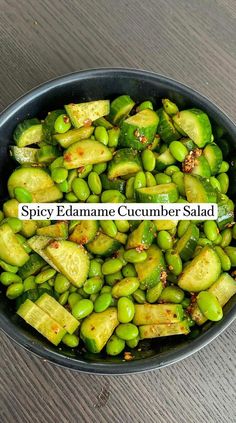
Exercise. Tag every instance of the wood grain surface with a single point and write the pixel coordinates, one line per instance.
(194, 42)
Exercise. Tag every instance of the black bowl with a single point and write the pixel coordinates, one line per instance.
(85, 86)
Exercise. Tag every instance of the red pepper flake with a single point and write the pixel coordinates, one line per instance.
(143, 139)
(55, 328)
(80, 151)
(87, 122)
(68, 157)
(55, 244)
(137, 133)
(66, 119)
(128, 356)
(81, 169)
(140, 248)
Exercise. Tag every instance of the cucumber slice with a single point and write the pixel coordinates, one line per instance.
(117, 184)
(165, 225)
(201, 167)
(120, 108)
(149, 271)
(57, 312)
(86, 152)
(24, 155)
(163, 160)
(47, 154)
(103, 245)
(199, 190)
(202, 272)
(28, 132)
(143, 236)
(103, 122)
(225, 211)
(37, 244)
(73, 135)
(71, 259)
(188, 143)
(196, 124)
(187, 243)
(57, 231)
(41, 321)
(122, 238)
(32, 266)
(82, 113)
(163, 193)
(214, 156)
(157, 314)
(84, 232)
(97, 328)
(138, 131)
(48, 125)
(156, 331)
(125, 162)
(165, 128)
(10, 209)
(52, 194)
(10, 249)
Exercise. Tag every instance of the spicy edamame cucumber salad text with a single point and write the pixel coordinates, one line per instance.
(107, 285)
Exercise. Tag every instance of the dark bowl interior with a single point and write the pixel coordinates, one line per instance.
(85, 86)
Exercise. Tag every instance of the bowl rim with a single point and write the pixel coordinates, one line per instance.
(145, 364)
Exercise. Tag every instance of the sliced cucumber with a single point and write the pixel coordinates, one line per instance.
(163, 160)
(163, 193)
(201, 167)
(38, 243)
(73, 135)
(166, 128)
(149, 271)
(32, 266)
(199, 190)
(196, 124)
(84, 232)
(188, 143)
(48, 125)
(138, 131)
(225, 211)
(156, 331)
(125, 162)
(71, 259)
(10, 249)
(10, 209)
(187, 243)
(57, 231)
(155, 314)
(24, 155)
(143, 236)
(47, 154)
(120, 108)
(103, 245)
(165, 225)
(103, 122)
(28, 132)
(202, 272)
(82, 113)
(214, 157)
(86, 152)
(117, 184)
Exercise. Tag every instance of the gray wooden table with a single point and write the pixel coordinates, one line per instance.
(194, 42)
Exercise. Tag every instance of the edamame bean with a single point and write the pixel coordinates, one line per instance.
(74, 298)
(102, 302)
(125, 309)
(178, 150)
(15, 224)
(134, 256)
(23, 195)
(8, 267)
(164, 240)
(171, 169)
(224, 259)
(139, 180)
(125, 287)
(72, 288)
(58, 162)
(172, 294)
(145, 105)
(15, 290)
(80, 189)
(93, 297)
(154, 293)
(29, 283)
(204, 241)
(63, 298)
(108, 227)
(224, 182)
(148, 160)
(215, 183)
(127, 331)
(7, 278)
(211, 230)
(113, 136)
(133, 343)
(182, 227)
(170, 107)
(95, 268)
(112, 196)
(62, 124)
(59, 174)
(45, 275)
(115, 345)
(209, 306)
(82, 308)
(99, 168)
(231, 253)
(129, 190)
(162, 178)
(111, 266)
(174, 262)
(178, 179)
(122, 225)
(101, 135)
(129, 270)
(94, 183)
(93, 199)
(84, 171)
(113, 278)
(61, 283)
(150, 179)
(139, 296)
(63, 186)
(93, 285)
(71, 197)
(105, 289)
(70, 340)
(227, 236)
(224, 167)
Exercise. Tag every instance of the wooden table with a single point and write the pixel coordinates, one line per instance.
(194, 42)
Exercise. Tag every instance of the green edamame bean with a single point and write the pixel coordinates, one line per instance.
(164, 240)
(211, 230)
(209, 306)
(174, 262)
(172, 294)
(182, 227)
(93, 199)
(63, 298)
(224, 182)
(122, 225)
(61, 283)
(111, 266)
(71, 197)
(218, 240)
(215, 183)
(23, 195)
(99, 168)
(84, 171)
(108, 227)
(133, 343)
(112, 196)
(125, 287)
(101, 135)
(139, 296)
(170, 107)
(231, 253)
(227, 236)
(72, 288)
(7, 278)
(170, 170)
(45, 275)
(162, 178)
(186, 302)
(134, 256)
(125, 309)
(80, 189)
(74, 298)
(154, 293)
(82, 308)
(102, 302)
(113, 136)
(178, 179)
(139, 180)
(127, 331)
(94, 183)
(93, 297)
(113, 278)
(63, 186)
(145, 105)
(51, 281)
(82, 292)
(59, 174)
(150, 179)
(95, 268)
(224, 167)
(93, 285)
(15, 290)
(148, 160)
(70, 340)
(105, 289)
(115, 345)
(58, 162)
(8, 267)
(178, 150)
(15, 224)
(29, 283)
(129, 190)
(224, 259)
(129, 270)
(204, 241)
(62, 124)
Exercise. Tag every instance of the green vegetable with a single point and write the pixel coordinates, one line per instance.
(125, 308)
(138, 131)
(10, 249)
(156, 331)
(125, 162)
(86, 152)
(74, 135)
(149, 271)
(166, 129)
(28, 132)
(62, 124)
(115, 345)
(196, 124)
(157, 314)
(82, 308)
(84, 113)
(164, 193)
(125, 287)
(127, 331)
(120, 108)
(209, 306)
